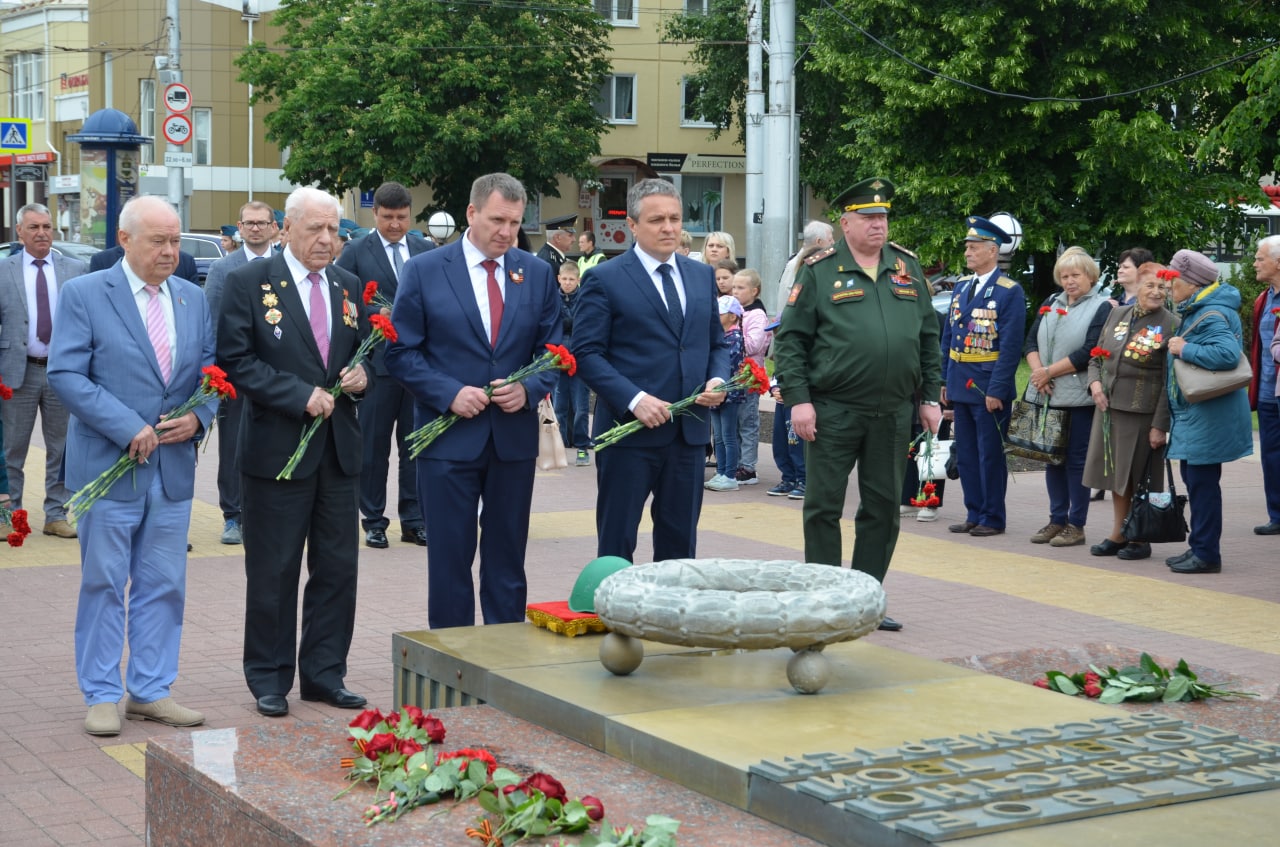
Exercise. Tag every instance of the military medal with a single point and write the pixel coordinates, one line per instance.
(839, 284)
(284, 283)
(516, 276)
(278, 333)
(273, 316)
(270, 300)
(266, 286)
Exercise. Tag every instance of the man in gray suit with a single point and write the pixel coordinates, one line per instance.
(29, 285)
(257, 232)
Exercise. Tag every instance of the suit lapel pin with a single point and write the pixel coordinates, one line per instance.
(266, 286)
(516, 276)
(284, 283)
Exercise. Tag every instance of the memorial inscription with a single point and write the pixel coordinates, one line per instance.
(940, 789)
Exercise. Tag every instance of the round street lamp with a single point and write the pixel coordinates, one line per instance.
(441, 226)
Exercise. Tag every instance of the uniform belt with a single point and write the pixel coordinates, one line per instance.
(989, 356)
(36, 360)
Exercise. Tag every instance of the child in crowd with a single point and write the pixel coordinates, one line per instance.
(755, 340)
(725, 269)
(788, 449)
(724, 418)
(572, 396)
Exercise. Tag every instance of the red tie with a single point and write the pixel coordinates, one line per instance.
(495, 300)
(44, 319)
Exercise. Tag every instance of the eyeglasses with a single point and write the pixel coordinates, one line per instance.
(256, 224)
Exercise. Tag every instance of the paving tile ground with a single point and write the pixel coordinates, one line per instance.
(1001, 605)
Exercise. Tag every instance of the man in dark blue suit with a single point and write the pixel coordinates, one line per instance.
(647, 333)
(982, 344)
(468, 314)
(379, 257)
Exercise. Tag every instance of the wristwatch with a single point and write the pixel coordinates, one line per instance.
(930, 403)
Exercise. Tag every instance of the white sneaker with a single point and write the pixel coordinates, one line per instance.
(721, 483)
(925, 515)
(908, 511)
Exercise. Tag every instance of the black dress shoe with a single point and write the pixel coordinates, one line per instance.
(1181, 557)
(414, 535)
(889, 625)
(339, 698)
(1107, 547)
(375, 538)
(1271, 528)
(962, 527)
(983, 531)
(1135, 550)
(273, 705)
(1194, 564)
(1098, 495)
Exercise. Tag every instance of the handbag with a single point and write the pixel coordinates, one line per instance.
(1199, 384)
(1156, 517)
(551, 452)
(934, 466)
(1037, 432)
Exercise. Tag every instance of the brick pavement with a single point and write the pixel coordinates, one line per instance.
(960, 598)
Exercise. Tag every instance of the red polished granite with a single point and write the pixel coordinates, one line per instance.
(273, 786)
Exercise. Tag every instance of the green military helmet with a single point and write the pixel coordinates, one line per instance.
(583, 597)
(869, 197)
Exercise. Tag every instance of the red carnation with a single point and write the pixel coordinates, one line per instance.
(469, 755)
(1044, 310)
(1061, 312)
(18, 520)
(370, 291)
(1099, 353)
(565, 360)
(969, 384)
(15, 539)
(382, 324)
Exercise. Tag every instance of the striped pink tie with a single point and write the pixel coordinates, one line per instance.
(319, 326)
(158, 332)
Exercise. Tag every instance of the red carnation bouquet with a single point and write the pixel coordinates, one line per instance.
(213, 386)
(752, 377)
(373, 297)
(381, 330)
(1100, 355)
(19, 529)
(557, 358)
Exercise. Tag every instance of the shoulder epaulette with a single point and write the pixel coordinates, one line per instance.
(820, 255)
(902, 249)
(1005, 282)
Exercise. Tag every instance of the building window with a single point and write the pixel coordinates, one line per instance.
(689, 116)
(532, 221)
(618, 12)
(617, 99)
(147, 118)
(702, 201)
(202, 130)
(697, 7)
(28, 86)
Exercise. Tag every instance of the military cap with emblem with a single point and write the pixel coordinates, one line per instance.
(981, 229)
(565, 223)
(869, 197)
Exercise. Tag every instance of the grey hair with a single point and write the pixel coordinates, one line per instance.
(1271, 244)
(131, 214)
(648, 188)
(32, 207)
(508, 187)
(305, 196)
(815, 231)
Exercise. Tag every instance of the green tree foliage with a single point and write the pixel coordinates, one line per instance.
(1074, 167)
(1249, 137)
(433, 93)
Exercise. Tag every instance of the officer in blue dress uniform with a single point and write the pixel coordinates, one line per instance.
(982, 345)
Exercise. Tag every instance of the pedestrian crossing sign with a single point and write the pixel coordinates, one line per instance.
(15, 135)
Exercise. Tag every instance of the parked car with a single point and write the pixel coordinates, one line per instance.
(206, 249)
(74, 249)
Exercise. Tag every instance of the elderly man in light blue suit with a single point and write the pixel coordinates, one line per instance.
(129, 343)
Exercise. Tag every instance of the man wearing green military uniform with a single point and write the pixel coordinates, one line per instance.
(858, 344)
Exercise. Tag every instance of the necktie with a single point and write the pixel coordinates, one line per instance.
(158, 332)
(44, 320)
(673, 298)
(495, 300)
(395, 258)
(319, 326)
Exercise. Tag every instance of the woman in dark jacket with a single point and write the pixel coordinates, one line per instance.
(1130, 426)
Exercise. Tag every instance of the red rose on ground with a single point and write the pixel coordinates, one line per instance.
(415, 714)
(469, 755)
(408, 747)
(547, 784)
(367, 719)
(392, 719)
(1092, 689)
(434, 729)
(1041, 683)
(595, 809)
(383, 742)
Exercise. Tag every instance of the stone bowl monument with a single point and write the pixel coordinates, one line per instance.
(737, 603)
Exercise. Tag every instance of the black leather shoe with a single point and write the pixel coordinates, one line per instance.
(962, 527)
(414, 535)
(1135, 550)
(1107, 547)
(1181, 557)
(890, 625)
(983, 531)
(339, 698)
(375, 538)
(1098, 495)
(273, 705)
(1271, 528)
(1194, 564)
